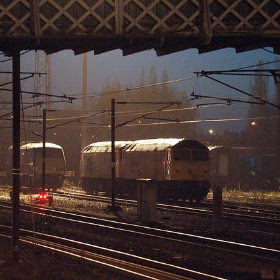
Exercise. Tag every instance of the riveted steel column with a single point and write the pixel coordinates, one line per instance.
(119, 17)
(35, 26)
(16, 156)
(44, 150)
(277, 84)
(204, 21)
(113, 155)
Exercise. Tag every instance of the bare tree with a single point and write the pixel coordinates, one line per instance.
(145, 125)
(262, 125)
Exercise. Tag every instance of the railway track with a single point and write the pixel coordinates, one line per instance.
(259, 254)
(216, 247)
(245, 214)
(119, 266)
(255, 215)
(122, 263)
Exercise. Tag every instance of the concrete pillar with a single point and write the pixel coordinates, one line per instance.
(146, 201)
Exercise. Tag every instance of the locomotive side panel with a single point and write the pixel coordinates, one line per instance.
(175, 178)
(154, 162)
(95, 163)
(148, 165)
(101, 162)
(96, 168)
(85, 165)
(133, 165)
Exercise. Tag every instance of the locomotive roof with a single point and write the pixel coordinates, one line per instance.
(161, 144)
(158, 144)
(104, 146)
(218, 148)
(34, 145)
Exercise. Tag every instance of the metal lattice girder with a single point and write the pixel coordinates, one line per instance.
(143, 17)
(245, 16)
(135, 25)
(155, 17)
(14, 17)
(78, 17)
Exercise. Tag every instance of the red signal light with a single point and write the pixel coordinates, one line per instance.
(42, 197)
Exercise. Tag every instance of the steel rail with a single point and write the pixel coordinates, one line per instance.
(257, 252)
(251, 215)
(136, 267)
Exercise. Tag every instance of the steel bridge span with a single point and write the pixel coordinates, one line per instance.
(138, 25)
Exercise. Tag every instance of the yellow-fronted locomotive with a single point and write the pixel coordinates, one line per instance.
(178, 167)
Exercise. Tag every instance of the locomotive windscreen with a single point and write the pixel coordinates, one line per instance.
(198, 155)
(182, 155)
(50, 152)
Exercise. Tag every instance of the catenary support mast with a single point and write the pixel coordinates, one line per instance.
(16, 156)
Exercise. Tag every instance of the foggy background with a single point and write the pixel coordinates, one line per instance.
(66, 75)
(69, 127)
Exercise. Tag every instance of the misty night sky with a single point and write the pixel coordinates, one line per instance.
(66, 75)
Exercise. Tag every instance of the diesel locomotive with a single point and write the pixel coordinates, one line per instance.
(180, 168)
(31, 166)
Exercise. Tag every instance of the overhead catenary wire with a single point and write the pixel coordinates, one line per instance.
(165, 121)
(43, 94)
(272, 72)
(10, 58)
(128, 113)
(104, 93)
(264, 101)
(177, 122)
(199, 121)
(154, 85)
(131, 88)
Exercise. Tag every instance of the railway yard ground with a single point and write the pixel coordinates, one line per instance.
(43, 265)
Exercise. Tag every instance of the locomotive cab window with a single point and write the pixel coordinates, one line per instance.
(182, 155)
(52, 153)
(199, 155)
